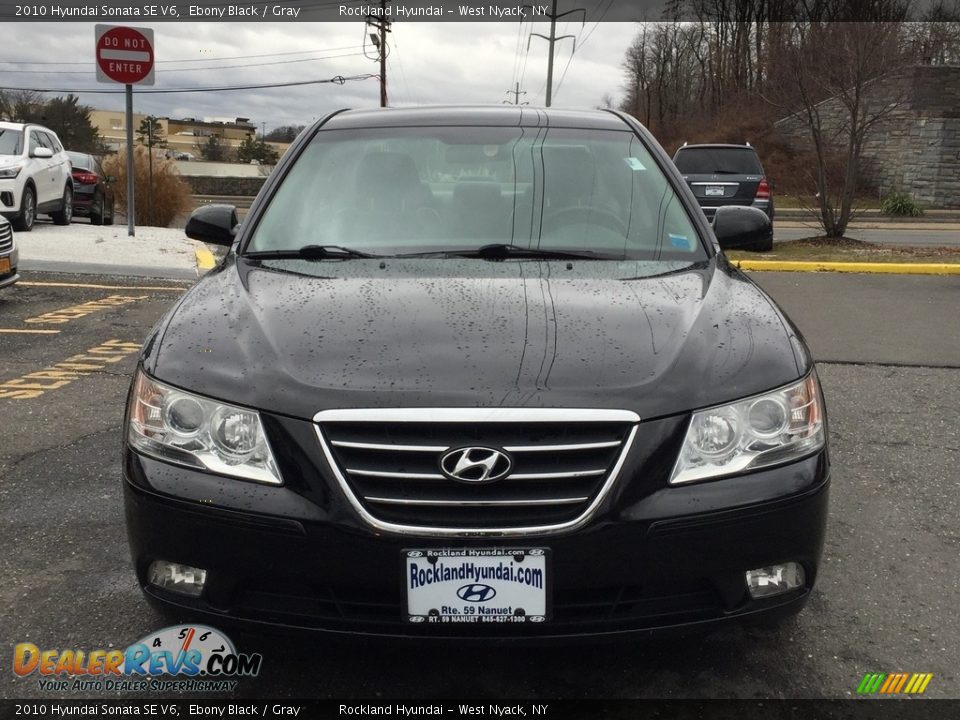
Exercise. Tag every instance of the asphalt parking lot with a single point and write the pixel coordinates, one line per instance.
(886, 601)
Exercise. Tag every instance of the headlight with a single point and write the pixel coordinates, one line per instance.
(769, 429)
(10, 172)
(188, 429)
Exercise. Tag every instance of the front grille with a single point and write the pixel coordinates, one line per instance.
(6, 237)
(563, 463)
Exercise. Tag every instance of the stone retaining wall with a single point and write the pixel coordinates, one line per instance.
(916, 148)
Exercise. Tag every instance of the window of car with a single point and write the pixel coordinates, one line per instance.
(409, 190)
(718, 161)
(35, 141)
(81, 161)
(11, 142)
(52, 142)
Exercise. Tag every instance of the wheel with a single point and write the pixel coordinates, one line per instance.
(28, 211)
(96, 212)
(584, 216)
(64, 215)
(108, 220)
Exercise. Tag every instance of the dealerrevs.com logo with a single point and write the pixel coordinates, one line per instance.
(196, 657)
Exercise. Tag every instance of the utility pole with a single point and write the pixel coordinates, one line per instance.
(552, 39)
(516, 96)
(379, 39)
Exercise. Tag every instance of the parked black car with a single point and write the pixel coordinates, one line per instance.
(723, 175)
(476, 372)
(92, 189)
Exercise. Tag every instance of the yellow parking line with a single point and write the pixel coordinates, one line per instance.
(30, 332)
(851, 267)
(34, 283)
(205, 259)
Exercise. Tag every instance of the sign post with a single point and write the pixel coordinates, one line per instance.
(125, 55)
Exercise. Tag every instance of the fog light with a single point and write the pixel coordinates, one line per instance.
(775, 579)
(177, 578)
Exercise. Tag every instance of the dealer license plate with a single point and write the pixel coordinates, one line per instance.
(713, 191)
(4, 265)
(476, 585)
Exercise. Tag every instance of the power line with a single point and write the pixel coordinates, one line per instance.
(167, 71)
(337, 79)
(186, 60)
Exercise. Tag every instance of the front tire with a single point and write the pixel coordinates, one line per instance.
(64, 215)
(28, 211)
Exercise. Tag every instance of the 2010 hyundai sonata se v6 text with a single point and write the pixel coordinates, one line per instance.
(476, 373)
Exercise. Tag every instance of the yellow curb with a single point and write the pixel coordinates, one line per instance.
(205, 259)
(851, 267)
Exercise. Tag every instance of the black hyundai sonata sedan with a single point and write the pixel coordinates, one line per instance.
(476, 373)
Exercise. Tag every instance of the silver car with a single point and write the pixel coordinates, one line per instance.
(8, 255)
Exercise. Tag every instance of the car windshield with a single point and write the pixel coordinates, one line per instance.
(10, 142)
(714, 160)
(406, 191)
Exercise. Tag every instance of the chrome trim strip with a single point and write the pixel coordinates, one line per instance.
(561, 448)
(401, 475)
(474, 415)
(725, 184)
(427, 531)
(555, 476)
(476, 503)
(386, 446)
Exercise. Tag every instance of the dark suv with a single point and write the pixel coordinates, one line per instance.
(476, 372)
(721, 175)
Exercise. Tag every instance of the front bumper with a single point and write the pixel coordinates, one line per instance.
(10, 277)
(653, 557)
(11, 190)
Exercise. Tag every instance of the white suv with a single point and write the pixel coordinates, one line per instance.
(35, 175)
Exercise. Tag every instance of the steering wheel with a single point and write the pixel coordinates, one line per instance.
(576, 215)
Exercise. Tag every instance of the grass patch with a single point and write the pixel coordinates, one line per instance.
(823, 249)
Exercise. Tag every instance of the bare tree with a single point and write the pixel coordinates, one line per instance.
(834, 67)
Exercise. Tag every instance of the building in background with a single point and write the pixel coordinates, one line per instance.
(184, 137)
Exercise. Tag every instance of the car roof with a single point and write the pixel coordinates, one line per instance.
(481, 115)
(23, 126)
(717, 145)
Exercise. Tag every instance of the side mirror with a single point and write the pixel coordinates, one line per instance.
(216, 224)
(42, 152)
(739, 226)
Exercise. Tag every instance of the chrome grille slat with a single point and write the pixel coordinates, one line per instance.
(6, 237)
(477, 503)
(387, 446)
(557, 475)
(398, 475)
(562, 448)
(387, 462)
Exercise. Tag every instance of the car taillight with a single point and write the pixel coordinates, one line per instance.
(763, 189)
(85, 178)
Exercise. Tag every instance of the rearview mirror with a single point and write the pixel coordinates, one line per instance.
(738, 226)
(216, 224)
(42, 152)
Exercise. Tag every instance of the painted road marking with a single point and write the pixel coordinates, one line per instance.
(206, 260)
(75, 312)
(29, 332)
(34, 283)
(33, 385)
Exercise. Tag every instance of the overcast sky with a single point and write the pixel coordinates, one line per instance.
(429, 63)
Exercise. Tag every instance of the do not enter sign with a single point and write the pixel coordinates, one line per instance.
(124, 55)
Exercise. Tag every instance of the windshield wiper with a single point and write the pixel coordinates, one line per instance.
(310, 252)
(500, 251)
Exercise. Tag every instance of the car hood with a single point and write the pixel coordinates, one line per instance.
(9, 159)
(453, 333)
